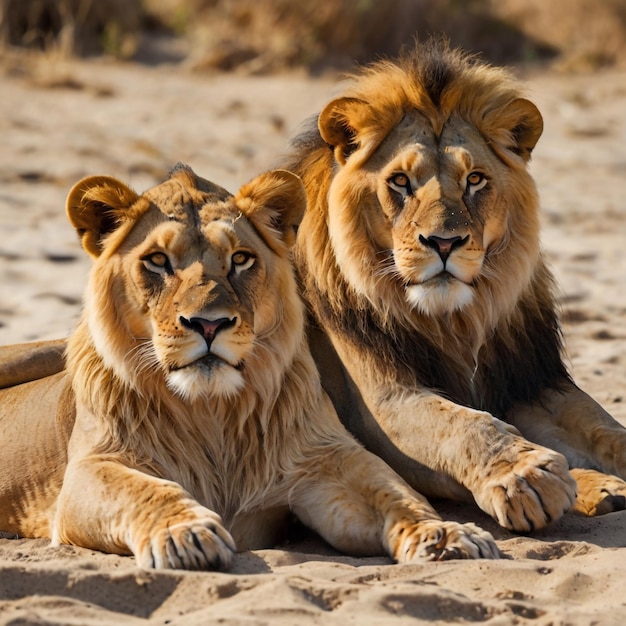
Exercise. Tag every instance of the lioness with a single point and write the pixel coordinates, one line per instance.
(438, 338)
(191, 416)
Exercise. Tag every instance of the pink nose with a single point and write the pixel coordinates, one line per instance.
(443, 246)
(208, 328)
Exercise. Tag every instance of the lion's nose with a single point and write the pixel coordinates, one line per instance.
(208, 328)
(443, 246)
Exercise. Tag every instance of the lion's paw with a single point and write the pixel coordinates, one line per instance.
(436, 540)
(527, 489)
(598, 493)
(198, 544)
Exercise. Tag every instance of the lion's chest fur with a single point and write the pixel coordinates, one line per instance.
(216, 449)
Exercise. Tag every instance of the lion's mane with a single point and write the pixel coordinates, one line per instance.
(505, 346)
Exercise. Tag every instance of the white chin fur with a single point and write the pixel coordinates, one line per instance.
(436, 298)
(191, 383)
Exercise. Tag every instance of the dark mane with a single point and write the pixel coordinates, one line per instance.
(434, 65)
(514, 366)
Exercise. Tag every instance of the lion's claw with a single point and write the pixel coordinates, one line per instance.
(437, 540)
(198, 544)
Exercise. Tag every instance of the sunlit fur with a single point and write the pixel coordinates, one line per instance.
(179, 443)
(437, 372)
(344, 259)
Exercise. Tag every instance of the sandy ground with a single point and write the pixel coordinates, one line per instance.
(59, 122)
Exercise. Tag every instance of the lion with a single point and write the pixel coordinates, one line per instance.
(434, 323)
(191, 421)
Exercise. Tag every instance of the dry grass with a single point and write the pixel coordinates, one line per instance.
(261, 36)
(73, 27)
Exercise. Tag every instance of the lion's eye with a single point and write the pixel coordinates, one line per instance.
(400, 182)
(475, 181)
(157, 262)
(242, 260)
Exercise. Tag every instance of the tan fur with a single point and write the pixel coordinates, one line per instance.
(420, 260)
(23, 362)
(191, 418)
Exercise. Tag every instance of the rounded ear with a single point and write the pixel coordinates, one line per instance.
(274, 202)
(523, 123)
(95, 206)
(338, 123)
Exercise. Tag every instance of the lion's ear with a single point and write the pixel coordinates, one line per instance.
(274, 201)
(524, 125)
(338, 123)
(95, 206)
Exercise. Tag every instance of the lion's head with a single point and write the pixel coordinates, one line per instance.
(433, 209)
(189, 284)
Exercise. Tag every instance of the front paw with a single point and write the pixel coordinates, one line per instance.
(201, 543)
(598, 493)
(436, 540)
(526, 487)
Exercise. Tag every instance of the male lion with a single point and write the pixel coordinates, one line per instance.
(191, 416)
(419, 258)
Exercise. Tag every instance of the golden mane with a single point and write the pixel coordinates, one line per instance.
(439, 82)
(514, 285)
(112, 370)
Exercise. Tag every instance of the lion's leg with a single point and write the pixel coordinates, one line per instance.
(24, 362)
(444, 449)
(522, 485)
(107, 506)
(361, 506)
(36, 421)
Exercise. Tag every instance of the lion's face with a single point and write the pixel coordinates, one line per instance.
(194, 281)
(440, 212)
(426, 205)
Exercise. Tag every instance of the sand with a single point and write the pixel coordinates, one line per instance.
(61, 121)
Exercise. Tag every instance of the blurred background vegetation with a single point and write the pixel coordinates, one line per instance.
(263, 36)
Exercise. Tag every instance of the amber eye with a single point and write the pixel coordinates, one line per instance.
(157, 262)
(242, 260)
(476, 180)
(400, 182)
(158, 259)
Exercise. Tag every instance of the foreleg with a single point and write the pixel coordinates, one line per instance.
(108, 506)
(598, 493)
(361, 506)
(573, 423)
(522, 485)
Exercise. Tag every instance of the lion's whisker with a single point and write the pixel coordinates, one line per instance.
(144, 355)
